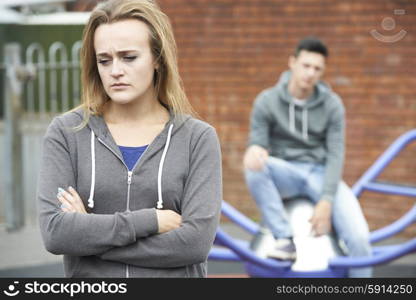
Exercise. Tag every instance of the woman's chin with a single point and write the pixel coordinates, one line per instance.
(122, 100)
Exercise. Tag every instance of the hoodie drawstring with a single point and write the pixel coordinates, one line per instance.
(292, 125)
(292, 117)
(305, 123)
(91, 198)
(159, 174)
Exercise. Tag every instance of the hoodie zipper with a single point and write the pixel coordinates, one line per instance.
(129, 173)
(129, 177)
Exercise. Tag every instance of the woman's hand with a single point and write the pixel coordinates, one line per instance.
(167, 220)
(70, 200)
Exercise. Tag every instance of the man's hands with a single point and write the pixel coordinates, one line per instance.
(321, 218)
(255, 158)
(167, 220)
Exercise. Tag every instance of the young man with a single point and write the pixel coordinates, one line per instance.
(296, 148)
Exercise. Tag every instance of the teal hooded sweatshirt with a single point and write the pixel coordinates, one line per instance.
(314, 132)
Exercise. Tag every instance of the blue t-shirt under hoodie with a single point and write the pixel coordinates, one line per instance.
(131, 155)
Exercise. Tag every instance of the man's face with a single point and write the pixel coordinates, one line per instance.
(307, 69)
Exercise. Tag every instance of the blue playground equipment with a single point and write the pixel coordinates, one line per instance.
(232, 249)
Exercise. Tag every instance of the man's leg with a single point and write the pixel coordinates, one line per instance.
(278, 179)
(347, 219)
(351, 227)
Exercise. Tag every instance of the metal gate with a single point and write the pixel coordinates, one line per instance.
(36, 89)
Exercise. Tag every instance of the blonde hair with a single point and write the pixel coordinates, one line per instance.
(167, 81)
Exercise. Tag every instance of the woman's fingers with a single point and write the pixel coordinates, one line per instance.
(65, 204)
(77, 198)
(71, 201)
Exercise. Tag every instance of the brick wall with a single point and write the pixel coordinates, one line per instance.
(230, 50)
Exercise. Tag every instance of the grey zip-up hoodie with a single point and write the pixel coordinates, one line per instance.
(180, 170)
(313, 132)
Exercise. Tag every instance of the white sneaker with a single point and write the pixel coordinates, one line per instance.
(284, 249)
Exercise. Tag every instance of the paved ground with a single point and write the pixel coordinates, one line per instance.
(23, 255)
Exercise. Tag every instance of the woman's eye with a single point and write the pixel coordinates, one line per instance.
(130, 58)
(103, 61)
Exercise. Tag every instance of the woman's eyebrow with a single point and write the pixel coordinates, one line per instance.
(121, 52)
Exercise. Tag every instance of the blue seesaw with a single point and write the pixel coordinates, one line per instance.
(337, 265)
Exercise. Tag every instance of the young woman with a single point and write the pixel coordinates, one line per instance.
(130, 184)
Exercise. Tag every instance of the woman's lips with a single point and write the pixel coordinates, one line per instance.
(119, 86)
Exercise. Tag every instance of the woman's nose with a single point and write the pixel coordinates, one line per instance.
(116, 69)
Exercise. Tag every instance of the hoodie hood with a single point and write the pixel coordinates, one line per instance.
(99, 127)
(320, 93)
(321, 90)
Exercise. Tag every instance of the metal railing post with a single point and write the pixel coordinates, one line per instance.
(16, 74)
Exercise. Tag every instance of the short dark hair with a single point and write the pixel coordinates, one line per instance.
(312, 44)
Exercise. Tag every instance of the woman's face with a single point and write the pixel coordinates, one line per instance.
(125, 61)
